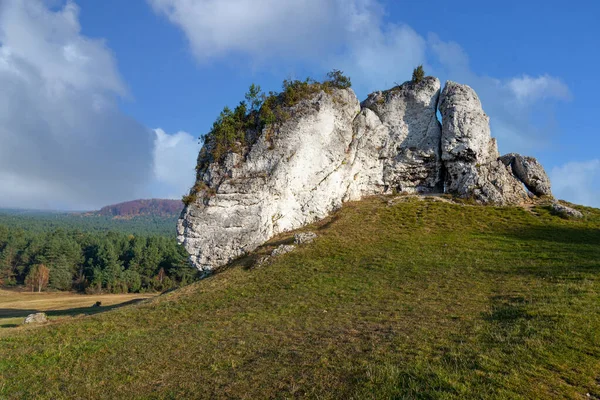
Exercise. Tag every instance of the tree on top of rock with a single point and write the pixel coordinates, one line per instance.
(418, 74)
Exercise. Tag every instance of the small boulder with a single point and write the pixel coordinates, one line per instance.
(282, 249)
(304, 237)
(565, 211)
(263, 261)
(38, 318)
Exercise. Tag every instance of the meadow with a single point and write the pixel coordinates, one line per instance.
(396, 298)
(17, 303)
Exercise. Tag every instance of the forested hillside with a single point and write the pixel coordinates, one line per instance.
(91, 253)
(134, 208)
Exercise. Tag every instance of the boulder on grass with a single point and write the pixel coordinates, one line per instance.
(566, 212)
(304, 237)
(283, 249)
(37, 318)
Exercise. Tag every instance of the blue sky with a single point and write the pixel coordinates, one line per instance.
(106, 99)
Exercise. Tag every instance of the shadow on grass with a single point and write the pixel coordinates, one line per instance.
(507, 310)
(569, 235)
(564, 252)
(16, 313)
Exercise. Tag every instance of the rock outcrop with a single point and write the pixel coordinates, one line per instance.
(469, 153)
(332, 149)
(529, 171)
(304, 237)
(408, 134)
(291, 177)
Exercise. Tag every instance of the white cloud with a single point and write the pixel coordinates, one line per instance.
(528, 89)
(64, 141)
(264, 28)
(175, 161)
(577, 182)
(345, 34)
(380, 56)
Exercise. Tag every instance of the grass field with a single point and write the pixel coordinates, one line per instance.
(404, 299)
(15, 305)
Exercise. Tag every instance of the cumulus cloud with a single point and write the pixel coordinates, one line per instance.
(379, 56)
(346, 34)
(263, 29)
(577, 182)
(65, 144)
(527, 89)
(174, 162)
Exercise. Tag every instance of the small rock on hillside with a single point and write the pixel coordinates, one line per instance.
(304, 237)
(565, 211)
(38, 318)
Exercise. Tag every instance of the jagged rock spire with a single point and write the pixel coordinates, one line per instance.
(470, 154)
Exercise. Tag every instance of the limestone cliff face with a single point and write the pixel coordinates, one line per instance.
(333, 149)
(292, 176)
(409, 132)
(469, 153)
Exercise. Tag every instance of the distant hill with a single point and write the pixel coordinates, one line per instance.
(136, 208)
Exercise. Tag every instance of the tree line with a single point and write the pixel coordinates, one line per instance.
(91, 262)
(47, 222)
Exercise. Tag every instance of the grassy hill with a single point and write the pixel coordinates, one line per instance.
(401, 298)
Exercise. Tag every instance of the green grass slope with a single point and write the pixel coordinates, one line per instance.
(415, 299)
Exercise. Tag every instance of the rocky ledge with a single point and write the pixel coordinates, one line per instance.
(333, 149)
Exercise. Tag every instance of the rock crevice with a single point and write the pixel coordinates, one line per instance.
(334, 149)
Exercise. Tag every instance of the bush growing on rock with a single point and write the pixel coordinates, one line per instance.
(418, 74)
(337, 79)
(235, 130)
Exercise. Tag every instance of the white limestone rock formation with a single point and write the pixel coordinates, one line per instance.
(469, 153)
(292, 176)
(325, 154)
(330, 150)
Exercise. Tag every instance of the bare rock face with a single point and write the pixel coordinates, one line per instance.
(328, 152)
(293, 175)
(331, 150)
(409, 136)
(529, 171)
(469, 153)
